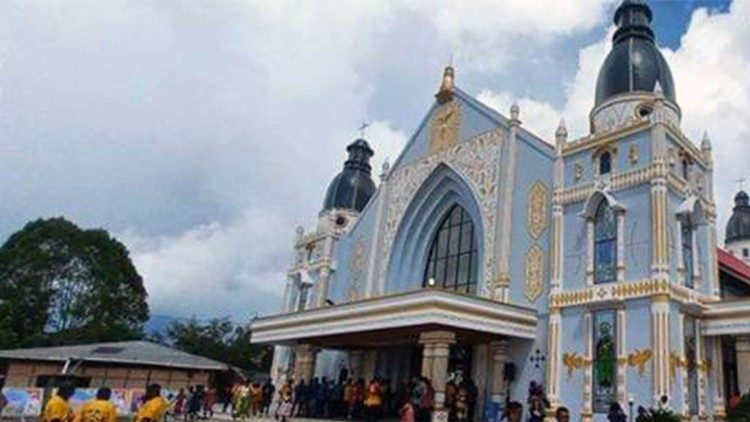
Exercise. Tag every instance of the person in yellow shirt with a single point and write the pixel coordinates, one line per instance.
(57, 408)
(98, 410)
(153, 407)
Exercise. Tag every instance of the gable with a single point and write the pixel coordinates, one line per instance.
(456, 121)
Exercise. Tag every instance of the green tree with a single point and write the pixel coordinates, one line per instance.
(60, 284)
(219, 339)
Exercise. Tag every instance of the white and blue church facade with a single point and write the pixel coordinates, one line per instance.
(586, 265)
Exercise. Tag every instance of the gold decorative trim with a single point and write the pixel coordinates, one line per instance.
(662, 289)
(538, 209)
(533, 273)
(598, 139)
(626, 179)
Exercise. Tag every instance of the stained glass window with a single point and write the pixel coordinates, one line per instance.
(605, 163)
(691, 363)
(605, 360)
(687, 252)
(605, 244)
(452, 260)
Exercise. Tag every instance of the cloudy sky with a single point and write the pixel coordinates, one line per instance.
(201, 133)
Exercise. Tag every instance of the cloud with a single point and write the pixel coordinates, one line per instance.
(713, 90)
(203, 134)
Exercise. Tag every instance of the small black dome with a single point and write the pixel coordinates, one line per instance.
(635, 63)
(353, 187)
(738, 226)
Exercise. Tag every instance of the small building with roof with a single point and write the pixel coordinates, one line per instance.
(127, 364)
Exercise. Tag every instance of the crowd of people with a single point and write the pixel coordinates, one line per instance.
(348, 398)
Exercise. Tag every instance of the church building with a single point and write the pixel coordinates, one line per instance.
(587, 266)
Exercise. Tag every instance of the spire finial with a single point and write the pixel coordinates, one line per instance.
(384, 169)
(445, 92)
(515, 112)
(706, 142)
(658, 91)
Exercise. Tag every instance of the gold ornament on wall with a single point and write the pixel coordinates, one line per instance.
(533, 273)
(633, 154)
(537, 209)
(639, 358)
(573, 361)
(444, 127)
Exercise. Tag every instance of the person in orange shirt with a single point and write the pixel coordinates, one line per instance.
(374, 400)
(57, 408)
(154, 407)
(98, 410)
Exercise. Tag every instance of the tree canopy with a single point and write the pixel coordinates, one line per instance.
(60, 284)
(219, 339)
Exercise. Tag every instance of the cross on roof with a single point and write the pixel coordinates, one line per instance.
(362, 128)
(741, 183)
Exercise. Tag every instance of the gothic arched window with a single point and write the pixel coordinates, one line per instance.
(687, 251)
(452, 260)
(605, 163)
(605, 244)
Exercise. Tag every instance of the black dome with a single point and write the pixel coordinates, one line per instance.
(635, 63)
(738, 226)
(353, 187)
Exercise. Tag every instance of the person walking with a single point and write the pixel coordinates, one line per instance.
(268, 392)
(99, 409)
(57, 408)
(286, 404)
(256, 398)
(154, 405)
(209, 400)
(374, 400)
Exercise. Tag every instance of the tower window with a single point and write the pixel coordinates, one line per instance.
(605, 163)
(687, 252)
(745, 252)
(685, 169)
(452, 261)
(605, 244)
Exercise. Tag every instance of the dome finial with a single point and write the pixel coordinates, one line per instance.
(445, 92)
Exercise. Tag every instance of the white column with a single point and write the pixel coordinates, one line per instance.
(717, 369)
(700, 358)
(499, 350)
(678, 253)
(588, 373)
(324, 277)
(589, 252)
(696, 257)
(660, 342)
(683, 368)
(553, 358)
(620, 246)
(742, 348)
(622, 358)
(304, 363)
(441, 342)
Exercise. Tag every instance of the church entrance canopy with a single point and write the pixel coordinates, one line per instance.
(397, 319)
